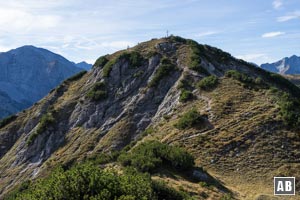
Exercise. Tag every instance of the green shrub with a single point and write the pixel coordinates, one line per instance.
(259, 81)
(184, 84)
(19, 189)
(185, 95)
(236, 75)
(151, 54)
(195, 57)
(5, 121)
(208, 83)
(76, 76)
(247, 81)
(289, 110)
(100, 62)
(284, 83)
(108, 67)
(227, 197)
(217, 55)
(151, 155)
(203, 184)
(98, 92)
(86, 181)
(148, 131)
(45, 122)
(100, 158)
(179, 39)
(275, 80)
(165, 68)
(273, 90)
(190, 119)
(134, 58)
(138, 74)
(165, 192)
(97, 95)
(244, 78)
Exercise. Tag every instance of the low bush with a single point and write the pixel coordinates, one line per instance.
(185, 95)
(217, 55)
(100, 62)
(134, 58)
(165, 192)
(184, 84)
(138, 74)
(179, 39)
(227, 197)
(247, 81)
(45, 122)
(289, 110)
(238, 76)
(195, 57)
(97, 95)
(190, 119)
(108, 67)
(86, 181)
(208, 83)
(203, 184)
(165, 68)
(5, 121)
(151, 155)
(284, 83)
(97, 92)
(101, 158)
(151, 54)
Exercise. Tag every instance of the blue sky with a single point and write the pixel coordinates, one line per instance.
(258, 30)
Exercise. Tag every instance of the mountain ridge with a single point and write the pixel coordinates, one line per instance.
(286, 66)
(84, 65)
(226, 112)
(29, 73)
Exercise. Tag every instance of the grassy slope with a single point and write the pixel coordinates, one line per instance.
(244, 147)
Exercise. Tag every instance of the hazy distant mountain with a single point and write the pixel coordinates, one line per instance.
(27, 74)
(287, 65)
(84, 65)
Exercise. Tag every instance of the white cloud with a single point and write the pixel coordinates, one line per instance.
(277, 4)
(251, 56)
(117, 44)
(257, 58)
(272, 34)
(206, 33)
(290, 16)
(21, 20)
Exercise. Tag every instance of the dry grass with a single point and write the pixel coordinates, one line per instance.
(243, 147)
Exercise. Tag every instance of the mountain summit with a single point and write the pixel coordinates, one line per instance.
(285, 66)
(27, 74)
(84, 65)
(136, 107)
